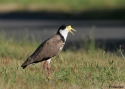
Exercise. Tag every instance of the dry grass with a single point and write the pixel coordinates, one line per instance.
(76, 69)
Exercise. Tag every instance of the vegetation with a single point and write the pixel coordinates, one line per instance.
(60, 5)
(78, 69)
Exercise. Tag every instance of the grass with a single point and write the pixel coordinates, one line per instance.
(78, 69)
(60, 5)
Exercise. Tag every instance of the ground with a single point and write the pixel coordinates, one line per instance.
(74, 68)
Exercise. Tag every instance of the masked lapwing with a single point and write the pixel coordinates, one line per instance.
(49, 48)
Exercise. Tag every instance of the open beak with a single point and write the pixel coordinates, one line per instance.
(71, 29)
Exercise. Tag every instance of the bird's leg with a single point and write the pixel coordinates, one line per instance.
(45, 67)
(48, 68)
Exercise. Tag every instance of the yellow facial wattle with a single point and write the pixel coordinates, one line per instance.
(70, 29)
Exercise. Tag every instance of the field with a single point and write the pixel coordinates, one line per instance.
(82, 68)
(60, 5)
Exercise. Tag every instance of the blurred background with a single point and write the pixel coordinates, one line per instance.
(98, 22)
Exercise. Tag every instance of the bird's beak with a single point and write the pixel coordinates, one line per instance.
(71, 29)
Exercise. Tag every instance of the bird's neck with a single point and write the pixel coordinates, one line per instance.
(62, 37)
(64, 34)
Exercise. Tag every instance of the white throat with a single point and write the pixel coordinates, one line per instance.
(64, 33)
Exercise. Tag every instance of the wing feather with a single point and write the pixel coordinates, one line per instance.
(47, 49)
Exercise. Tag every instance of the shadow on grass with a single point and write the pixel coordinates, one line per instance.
(115, 14)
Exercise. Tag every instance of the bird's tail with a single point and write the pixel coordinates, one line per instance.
(26, 63)
(23, 66)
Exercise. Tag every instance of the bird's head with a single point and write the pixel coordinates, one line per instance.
(65, 29)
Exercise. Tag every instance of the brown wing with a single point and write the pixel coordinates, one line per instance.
(47, 49)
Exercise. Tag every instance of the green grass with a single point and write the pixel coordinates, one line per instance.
(78, 69)
(61, 5)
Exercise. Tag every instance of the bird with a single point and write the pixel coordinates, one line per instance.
(49, 48)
